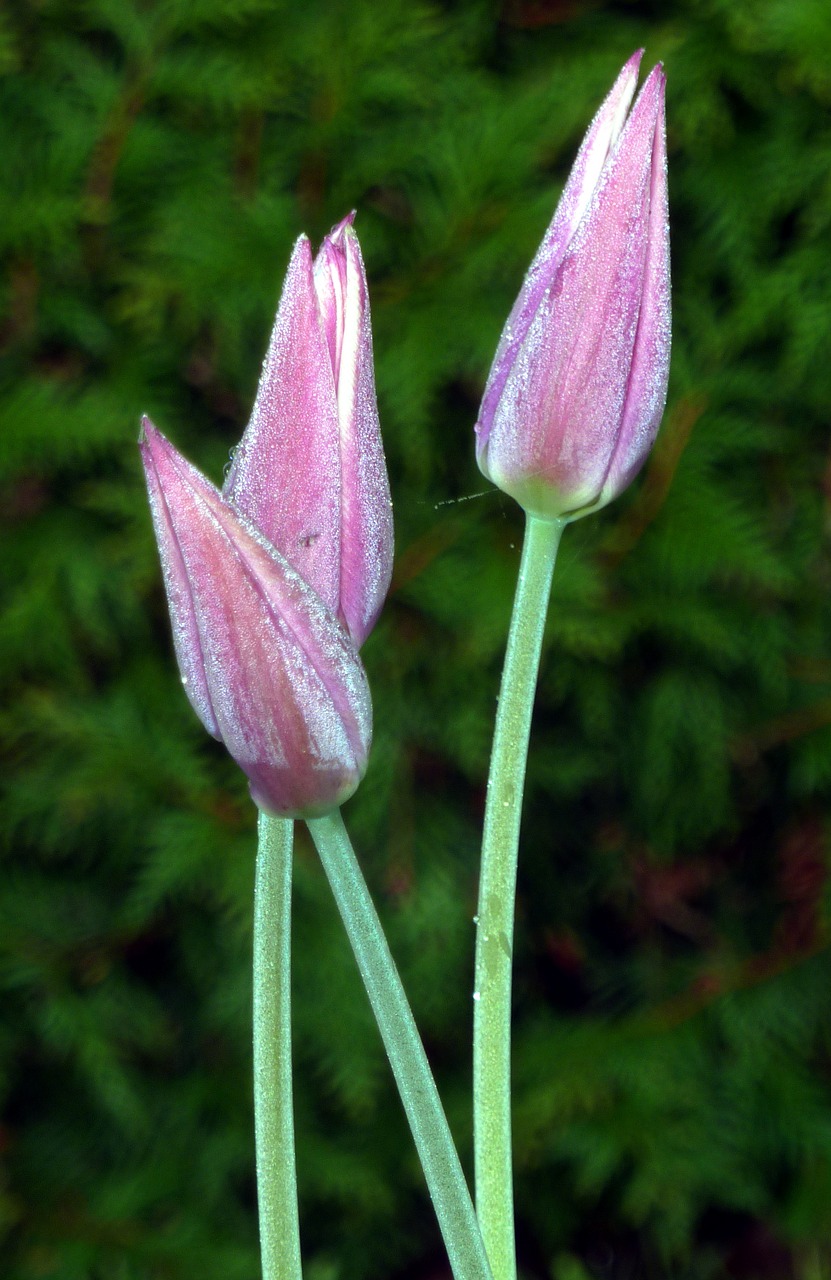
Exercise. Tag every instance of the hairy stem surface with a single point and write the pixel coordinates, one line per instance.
(497, 893)
(273, 1113)
(433, 1140)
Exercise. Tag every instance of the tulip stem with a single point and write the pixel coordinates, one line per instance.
(273, 1113)
(442, 1170)
(497, 892)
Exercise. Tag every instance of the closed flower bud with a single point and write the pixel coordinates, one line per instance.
(309, 471)
(578, 385)
(267, 667)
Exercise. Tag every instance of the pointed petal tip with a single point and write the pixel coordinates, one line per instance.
(151, 440)
(160, 455)
(301, 254)
(649, 103)
(147, 431)
(656, 82)
(626, 81)
(656, 77)
(148, 439)
(339, 230)
(299, 277)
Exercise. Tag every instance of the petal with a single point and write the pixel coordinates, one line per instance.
(366, 507)
(597, 144)
(330, 285)
(186, 636)
(285, 476)
(647, 389)
(286, 687)
(561, 410)
(310, 469)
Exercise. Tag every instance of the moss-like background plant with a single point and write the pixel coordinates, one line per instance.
(672, 982)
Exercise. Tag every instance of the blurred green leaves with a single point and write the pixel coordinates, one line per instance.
(671, 1062)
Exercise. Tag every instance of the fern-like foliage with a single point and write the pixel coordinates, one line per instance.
(673, 1111)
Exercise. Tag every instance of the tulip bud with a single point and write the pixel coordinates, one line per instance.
(309, 471)
(578, 385)
(268, 669)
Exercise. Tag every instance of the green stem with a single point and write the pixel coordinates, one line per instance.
(273, 1115)
(497, 892)
(442, 1170)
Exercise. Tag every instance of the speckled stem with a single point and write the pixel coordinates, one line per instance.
(273, 1113)
(497, 893)
(442, 1170)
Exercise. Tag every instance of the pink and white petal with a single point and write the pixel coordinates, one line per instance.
(286, 686)
(159, 459)
(366, 508)
(600, 138)
(557, 420)
(285, 476)
(647, 388)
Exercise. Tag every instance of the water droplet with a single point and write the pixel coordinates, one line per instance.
(477, 995)
(475, 919)
(230, 462)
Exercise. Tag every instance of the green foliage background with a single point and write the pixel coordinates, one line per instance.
(673, 988)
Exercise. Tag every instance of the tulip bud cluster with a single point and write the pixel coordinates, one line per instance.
(275, 582)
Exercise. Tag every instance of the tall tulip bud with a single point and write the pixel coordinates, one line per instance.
(268, 669)
(578, 385)
(309, 471)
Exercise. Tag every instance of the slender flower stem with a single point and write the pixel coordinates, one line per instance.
(497, 892)
(273, 1115)
(445, 1179)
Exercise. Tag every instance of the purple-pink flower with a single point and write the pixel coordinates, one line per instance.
(274, 583)
(578, 385)
(265, 665)
(309, 470)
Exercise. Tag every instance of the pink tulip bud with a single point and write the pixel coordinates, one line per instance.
(268, 669)
(309, 471)
(578, 385)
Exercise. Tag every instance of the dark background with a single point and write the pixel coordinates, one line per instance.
(673, 983)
